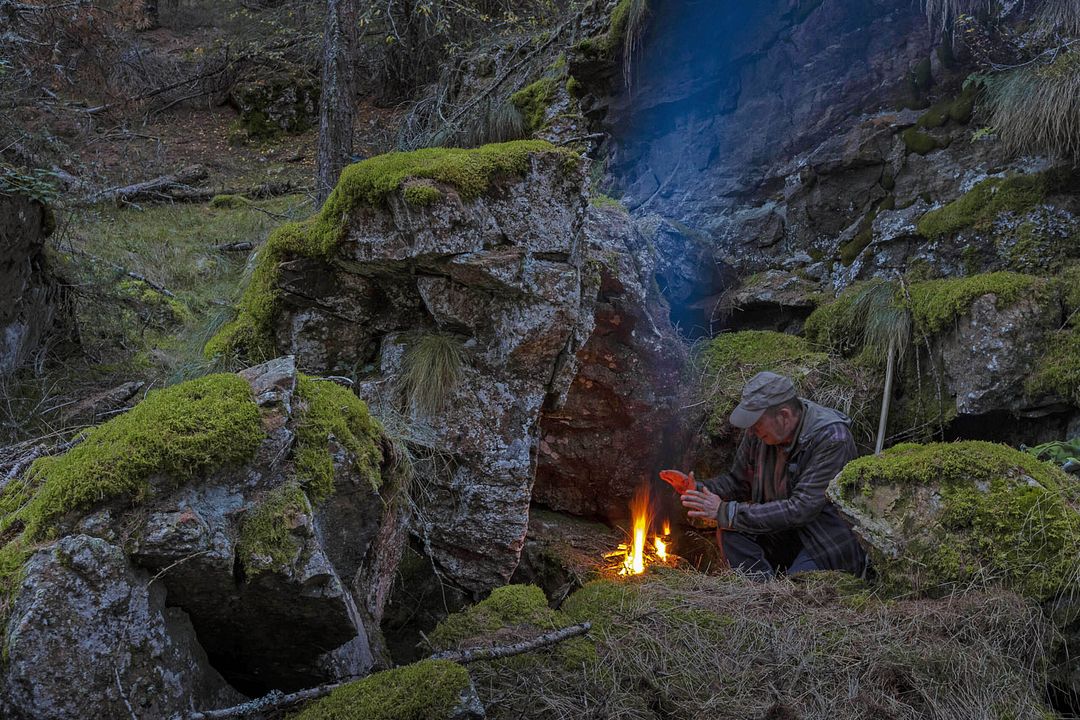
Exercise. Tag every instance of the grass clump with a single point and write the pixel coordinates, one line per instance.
(532, 101)
(367, 183)
(1033, 108)
(602, 202)
(970, 512)
(983, 203)
(332, 415)
(179, 432)
(427, 690)
(266, 539)
(431, 369)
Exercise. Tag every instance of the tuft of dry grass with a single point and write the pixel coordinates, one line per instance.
(1036, 108)
(430, 369)
(678, 644)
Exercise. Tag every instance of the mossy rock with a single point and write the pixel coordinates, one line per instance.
(981, 205)
(174, 435)
(369, 183)
(918, 142)
(533, 102)
(427, 690)
(943, 516)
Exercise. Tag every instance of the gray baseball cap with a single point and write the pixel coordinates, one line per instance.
(762, 392)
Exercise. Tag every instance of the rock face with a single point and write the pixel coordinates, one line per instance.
(240, 582)
(500, 278)
(31, 303)
(87, 619)
(619, 423)
(990, 353)
(722, 93)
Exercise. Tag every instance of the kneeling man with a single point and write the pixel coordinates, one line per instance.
(771, 508)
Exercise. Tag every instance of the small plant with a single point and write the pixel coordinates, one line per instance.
(431, 369)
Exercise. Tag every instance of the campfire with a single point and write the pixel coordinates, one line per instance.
(639, 552)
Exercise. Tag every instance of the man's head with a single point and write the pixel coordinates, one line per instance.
(770, 408)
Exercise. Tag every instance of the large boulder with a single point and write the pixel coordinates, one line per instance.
(31, 299)
(197, 532)
(620, 421)
(947, 516)
(472, 256)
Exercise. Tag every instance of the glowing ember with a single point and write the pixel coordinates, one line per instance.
(661, 548)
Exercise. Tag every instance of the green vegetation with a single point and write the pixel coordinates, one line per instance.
(329, 415)
(919, 142)
(427, 690)
(937, 303)
(1033, 106)
(602, 202)
(367, 183)
(851, 250)
(420, 194)
(266, 540)
(933, 304)
(1058, 370)
(173, 435)
(624, 27)
(431, 369)
(981, 205)
(958, 109)
(1004, 516)
(534, 100)
(507, 606)
(177, 433)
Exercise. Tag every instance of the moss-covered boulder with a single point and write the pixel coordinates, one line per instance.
(471, 256)
(943, 516)
(279, 102)
(200, 528)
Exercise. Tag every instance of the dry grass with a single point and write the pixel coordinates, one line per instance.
(1036, 108)
(686, 645)
(430, 370)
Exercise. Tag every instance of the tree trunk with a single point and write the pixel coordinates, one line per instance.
(337, 105)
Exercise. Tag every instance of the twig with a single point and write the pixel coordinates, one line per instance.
(501, 651)
(277, 699)
(130, 273)
(123, 695)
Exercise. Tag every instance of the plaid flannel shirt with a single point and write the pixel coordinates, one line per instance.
(772, 488)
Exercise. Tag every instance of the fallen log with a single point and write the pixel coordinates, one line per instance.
(166, 187)
(276, 699)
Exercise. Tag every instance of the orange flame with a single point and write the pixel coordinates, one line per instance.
(667, 528)
(661, 548)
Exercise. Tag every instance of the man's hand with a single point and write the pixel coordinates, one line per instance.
(680, 481)
(701, 504)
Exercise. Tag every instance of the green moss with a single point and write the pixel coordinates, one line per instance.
(178, 433)
(427, 690)
(730, 358)
(922, 75)
(367, 183)
(510, 605)
(919, 142)
(936, 116)
(961, 109)
(574, 87)
(229, 201)
(13, 557)
(937, 303)
(533, 101)
(983, 203)
(331, 414)
(421, 194)
(266, 540)
(850, 250)
(1003, 514)
(603, 201)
